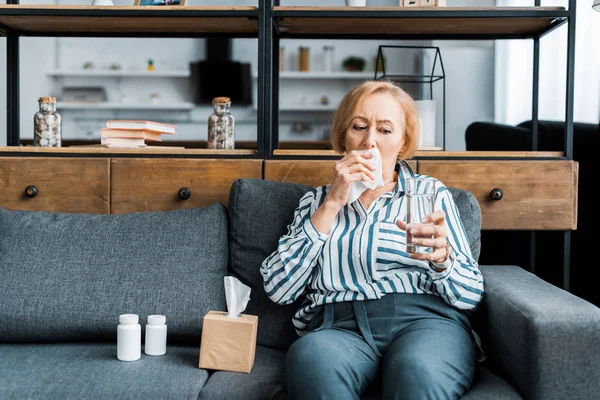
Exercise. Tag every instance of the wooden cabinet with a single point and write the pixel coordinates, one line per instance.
(515, 195)
(145, 184)
(78, 185)
(118, 185)
(305, 172)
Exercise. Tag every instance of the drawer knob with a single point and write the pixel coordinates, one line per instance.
(184, 193)
(497, 194)
(31, 191)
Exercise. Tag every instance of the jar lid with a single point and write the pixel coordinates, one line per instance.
(47, 99)
(157, 319)
(221, 100)
(128, 319)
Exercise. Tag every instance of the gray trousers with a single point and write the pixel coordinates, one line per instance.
(415, 344)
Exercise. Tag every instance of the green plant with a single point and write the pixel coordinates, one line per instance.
(353, 63)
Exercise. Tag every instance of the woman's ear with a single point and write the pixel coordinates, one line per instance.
(402, 149)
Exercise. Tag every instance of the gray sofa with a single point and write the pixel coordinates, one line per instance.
(65, 278)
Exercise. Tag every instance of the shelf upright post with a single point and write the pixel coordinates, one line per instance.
(569, 128)
(536, 90)
(262, 134)
(12, 87)
(274, 54)
(534, 128)
(267, 81)
(570, 80)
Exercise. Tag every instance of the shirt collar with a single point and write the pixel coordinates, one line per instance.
(404, 171)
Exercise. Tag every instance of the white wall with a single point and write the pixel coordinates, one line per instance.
(469, 67)
(34, 54)
(132, 54)
(514, 78)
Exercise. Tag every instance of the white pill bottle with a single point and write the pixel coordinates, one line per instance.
(156, 335)
(129, 338)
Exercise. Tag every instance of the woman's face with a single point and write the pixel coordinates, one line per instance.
(378, 123)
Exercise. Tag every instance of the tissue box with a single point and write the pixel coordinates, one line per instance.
(228, 344)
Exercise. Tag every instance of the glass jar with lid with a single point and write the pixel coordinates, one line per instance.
(47, 124)
(221, 125)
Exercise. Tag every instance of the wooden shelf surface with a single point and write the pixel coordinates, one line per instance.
(292, 21)
(434, 154)
(422, 22)
(52, 20)
(164, 150)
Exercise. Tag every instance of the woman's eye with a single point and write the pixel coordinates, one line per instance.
(386, 131)
(359, 127)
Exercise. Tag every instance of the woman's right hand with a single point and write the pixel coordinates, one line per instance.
(354, 166)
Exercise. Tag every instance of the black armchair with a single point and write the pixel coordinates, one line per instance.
(551, 137)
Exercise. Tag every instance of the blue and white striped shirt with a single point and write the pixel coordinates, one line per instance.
(364, 256)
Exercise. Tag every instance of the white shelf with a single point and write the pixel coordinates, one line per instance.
(308, 108)
(123, 106)
(324, 75)
(121, 73)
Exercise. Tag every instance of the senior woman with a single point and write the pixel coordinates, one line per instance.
(370, 307)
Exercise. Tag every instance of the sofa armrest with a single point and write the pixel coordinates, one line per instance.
(546, 339)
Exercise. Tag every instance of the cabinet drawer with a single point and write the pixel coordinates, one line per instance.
(155, 184)
(78, 185)
(535, 195)
(305, 172)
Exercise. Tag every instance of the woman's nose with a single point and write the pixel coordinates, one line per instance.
(369, 141)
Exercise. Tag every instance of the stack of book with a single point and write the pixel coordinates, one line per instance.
(133, 133)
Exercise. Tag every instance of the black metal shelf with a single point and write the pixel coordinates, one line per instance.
(464, 23)
(77, 152)
(128, 21)
(472, 23)
(269, 23)
(443, 23)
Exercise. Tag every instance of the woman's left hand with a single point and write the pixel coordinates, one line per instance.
(430, 233)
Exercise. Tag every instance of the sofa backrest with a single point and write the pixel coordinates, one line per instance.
(259, 213)
(69, 276)
(470, 215)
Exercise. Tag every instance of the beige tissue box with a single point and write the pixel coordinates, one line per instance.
(228, 344)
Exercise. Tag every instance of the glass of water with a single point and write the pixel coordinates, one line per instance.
(420, 196)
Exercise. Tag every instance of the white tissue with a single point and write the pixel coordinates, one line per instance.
(358, 187)
(237, 296)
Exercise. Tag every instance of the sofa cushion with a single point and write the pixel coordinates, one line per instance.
(259, 213)
(490, 386)
(68, 276)
(264, 382)
(91, 371)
